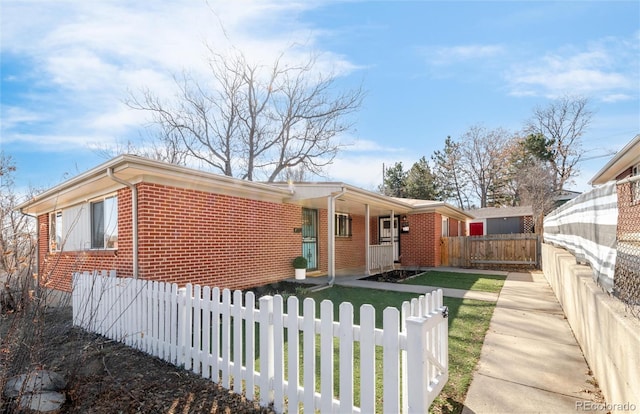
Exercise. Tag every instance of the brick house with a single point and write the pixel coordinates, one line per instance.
(153, 220)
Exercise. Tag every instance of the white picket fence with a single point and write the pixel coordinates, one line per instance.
(215, 333)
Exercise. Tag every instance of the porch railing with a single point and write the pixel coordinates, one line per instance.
(380, 257)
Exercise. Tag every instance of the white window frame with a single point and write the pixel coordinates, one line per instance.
(343, 225)
(445, 226)
(55, 231)
(108, 242)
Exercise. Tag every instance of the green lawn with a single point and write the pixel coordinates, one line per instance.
(468, 323)
(466, 281)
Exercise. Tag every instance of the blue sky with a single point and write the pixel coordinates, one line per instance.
(430, 68)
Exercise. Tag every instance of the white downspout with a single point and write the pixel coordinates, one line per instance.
(332, 235)
(367, 237)
(134, 217)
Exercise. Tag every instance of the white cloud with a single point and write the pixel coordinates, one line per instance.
(449, 55)
(604, 70)
(88, 55)
(364, 145)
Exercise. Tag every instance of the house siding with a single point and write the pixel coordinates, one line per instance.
(421, 245)
(350, 251)
(189, 236)
(55, 269)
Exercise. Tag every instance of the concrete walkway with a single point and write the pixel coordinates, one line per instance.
(530, 361)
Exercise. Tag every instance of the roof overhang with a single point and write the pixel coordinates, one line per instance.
(348, 199)
(352, 200)
(625, 158)
(134, 169)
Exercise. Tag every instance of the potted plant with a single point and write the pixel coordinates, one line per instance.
(300, 266)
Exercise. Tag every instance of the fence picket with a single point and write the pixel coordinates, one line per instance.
(326, 356)
(390, 355)
(293, 330)
(278, 354)
(206, 332)
(346, 357)
(215, 335)
(308, 353)
(266, 350)
(367, 359)
(250, 344)
(236, 314)
(196, 327)
(173, 332)
(226, 338)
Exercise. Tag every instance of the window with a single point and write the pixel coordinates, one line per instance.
(55, 231)
(104, 223)
(343, 225)
(445, 226)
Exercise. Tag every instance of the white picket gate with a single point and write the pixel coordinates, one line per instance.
(215, 333)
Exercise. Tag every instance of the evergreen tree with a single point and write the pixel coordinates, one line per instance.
(394, 181)
(447, 174)
(420, 182)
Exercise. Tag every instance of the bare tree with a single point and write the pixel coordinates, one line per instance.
(162, 147)
(562, 124)
(484, 161)
(255, 121)
(17, 242)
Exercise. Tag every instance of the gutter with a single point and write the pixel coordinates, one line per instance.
(630, 179)
(134, 216)
(332, 234)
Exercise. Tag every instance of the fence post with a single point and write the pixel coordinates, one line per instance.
(182, 326)
(418, 397)
(266, 350)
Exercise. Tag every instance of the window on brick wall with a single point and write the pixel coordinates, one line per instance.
(55, 231)
(445, 226)
(343, 225)
(104, 223)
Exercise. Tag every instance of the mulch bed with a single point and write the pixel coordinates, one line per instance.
(105, 376)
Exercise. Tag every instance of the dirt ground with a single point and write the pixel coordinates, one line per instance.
(104, 376)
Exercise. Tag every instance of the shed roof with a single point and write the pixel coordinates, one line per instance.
(499, 212)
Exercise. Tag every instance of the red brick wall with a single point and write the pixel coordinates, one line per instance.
(421, 245)
(55, 269)
(350, 251)
(217, 240)
(189, 236)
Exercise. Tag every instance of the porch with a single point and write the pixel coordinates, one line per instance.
(348, 231)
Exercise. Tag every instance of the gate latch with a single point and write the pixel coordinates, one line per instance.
(445, 312)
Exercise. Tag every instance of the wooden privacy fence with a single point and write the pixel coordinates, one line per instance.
(273, 355)
(495, 249)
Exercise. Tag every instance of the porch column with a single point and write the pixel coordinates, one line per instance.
(367, 236)
(393, 238)
(331, 241)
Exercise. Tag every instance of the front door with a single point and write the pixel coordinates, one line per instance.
(310, 237)
(389, 234)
